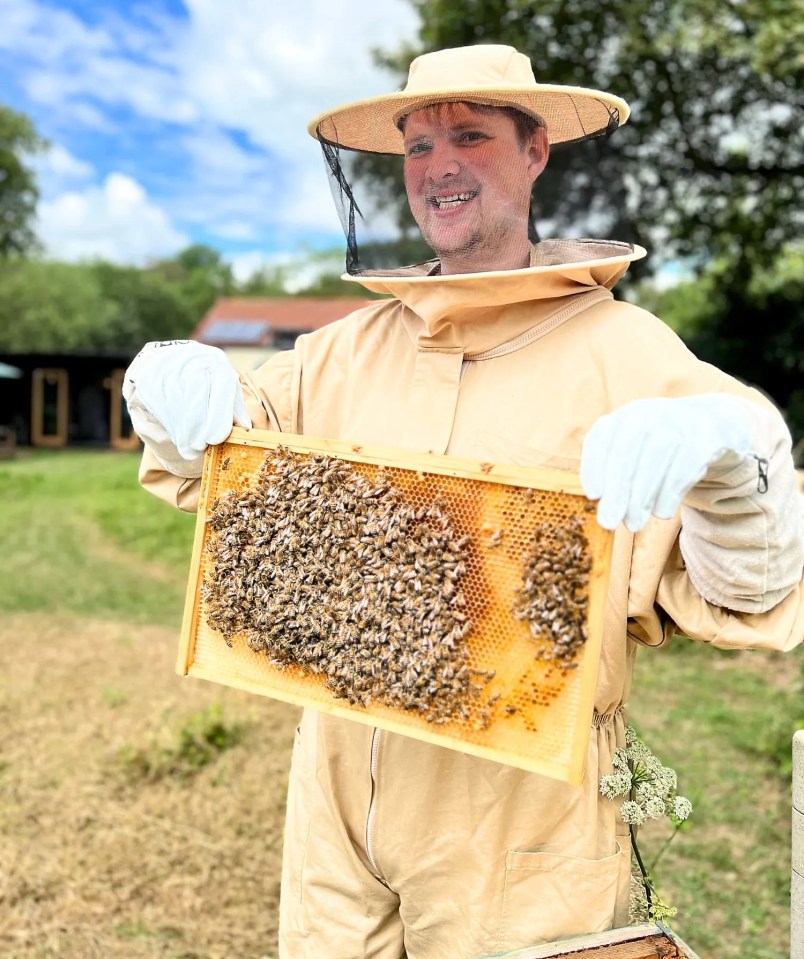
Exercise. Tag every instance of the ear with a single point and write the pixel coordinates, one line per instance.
(538, 153)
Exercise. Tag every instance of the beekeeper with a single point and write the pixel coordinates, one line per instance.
(496, 350)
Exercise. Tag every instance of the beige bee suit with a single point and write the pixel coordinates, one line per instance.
(394, 847)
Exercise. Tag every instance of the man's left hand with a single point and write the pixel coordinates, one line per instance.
(641, 460)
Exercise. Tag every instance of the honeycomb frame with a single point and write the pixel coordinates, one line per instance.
(538, 716)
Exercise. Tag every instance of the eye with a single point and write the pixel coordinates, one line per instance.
(472, 136)
(418, 148)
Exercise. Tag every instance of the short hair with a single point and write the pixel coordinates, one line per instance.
(526, 124)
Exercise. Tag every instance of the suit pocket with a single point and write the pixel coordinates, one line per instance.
(550, 897)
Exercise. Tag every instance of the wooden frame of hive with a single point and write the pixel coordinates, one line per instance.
(548, 729)
(648, 941)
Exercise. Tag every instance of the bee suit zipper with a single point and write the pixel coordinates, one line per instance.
(370, 817)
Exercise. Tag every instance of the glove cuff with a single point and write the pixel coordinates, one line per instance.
(168, 457)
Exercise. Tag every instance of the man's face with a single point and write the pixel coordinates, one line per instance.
(469, 180)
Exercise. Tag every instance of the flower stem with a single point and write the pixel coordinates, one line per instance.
(664, 846)
(645, 880)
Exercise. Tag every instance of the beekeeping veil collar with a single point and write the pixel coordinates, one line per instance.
(468, 79)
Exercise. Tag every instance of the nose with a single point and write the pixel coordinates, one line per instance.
(444, 161)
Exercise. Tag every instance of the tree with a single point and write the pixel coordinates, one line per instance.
(47, 307)
(145, 306)
(330, 285)
(62, 307)
(311, 272)
(266, 281)
(710, 163)
(754, 326)
(200, 275)
(18, 190)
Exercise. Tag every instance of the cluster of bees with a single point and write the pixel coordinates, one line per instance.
(323, 569)
(553, 595)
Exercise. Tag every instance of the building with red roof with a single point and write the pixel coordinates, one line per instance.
(250, 329)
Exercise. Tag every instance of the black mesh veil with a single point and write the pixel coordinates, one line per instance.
(454, 176)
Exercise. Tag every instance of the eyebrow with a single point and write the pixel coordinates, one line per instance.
(458, 127)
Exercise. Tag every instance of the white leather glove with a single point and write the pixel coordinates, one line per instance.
(643, 458)
(183, 396)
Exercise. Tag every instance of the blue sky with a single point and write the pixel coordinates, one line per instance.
(172, 123)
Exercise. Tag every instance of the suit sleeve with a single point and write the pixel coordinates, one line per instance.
(742, 530)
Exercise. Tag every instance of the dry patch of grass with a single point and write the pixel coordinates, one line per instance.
(140, 813)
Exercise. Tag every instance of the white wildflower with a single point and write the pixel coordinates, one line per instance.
(654, 807)
(682, 807)
(665, 780)
(652, 765)
(639, 752)
(620, 761)
(645, 790)
(636, 771)
(617, 784)
(632, 813)
(608, 787)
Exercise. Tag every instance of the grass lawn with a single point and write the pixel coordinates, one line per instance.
(141, 813)
(80, 536)
(724, 721)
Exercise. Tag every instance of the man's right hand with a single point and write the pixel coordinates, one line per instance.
(183, 396)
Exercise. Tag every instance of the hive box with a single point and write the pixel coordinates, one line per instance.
(634, 942)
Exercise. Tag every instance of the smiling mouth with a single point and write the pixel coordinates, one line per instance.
(453, 201)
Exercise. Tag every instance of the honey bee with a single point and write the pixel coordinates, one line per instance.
(318, 568)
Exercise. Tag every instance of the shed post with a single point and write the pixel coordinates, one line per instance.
(797, 874)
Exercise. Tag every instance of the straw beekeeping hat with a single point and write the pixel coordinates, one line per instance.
(490, 74)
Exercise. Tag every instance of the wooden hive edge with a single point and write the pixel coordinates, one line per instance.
(548, 479)
(647, 941)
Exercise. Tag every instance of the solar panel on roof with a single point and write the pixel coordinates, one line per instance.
(241, 332)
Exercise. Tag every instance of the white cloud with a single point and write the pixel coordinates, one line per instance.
(232, 184)
(115, 221)
(236, 230)
(298, 270)
(48, 34)
(234, 86)
(263, 70)
(86, 115)
(58, 170)
(60, 162)
(245, 265)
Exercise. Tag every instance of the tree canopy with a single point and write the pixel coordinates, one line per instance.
(752, 327)
(18, 191)
(200, 274)
(55, 307)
